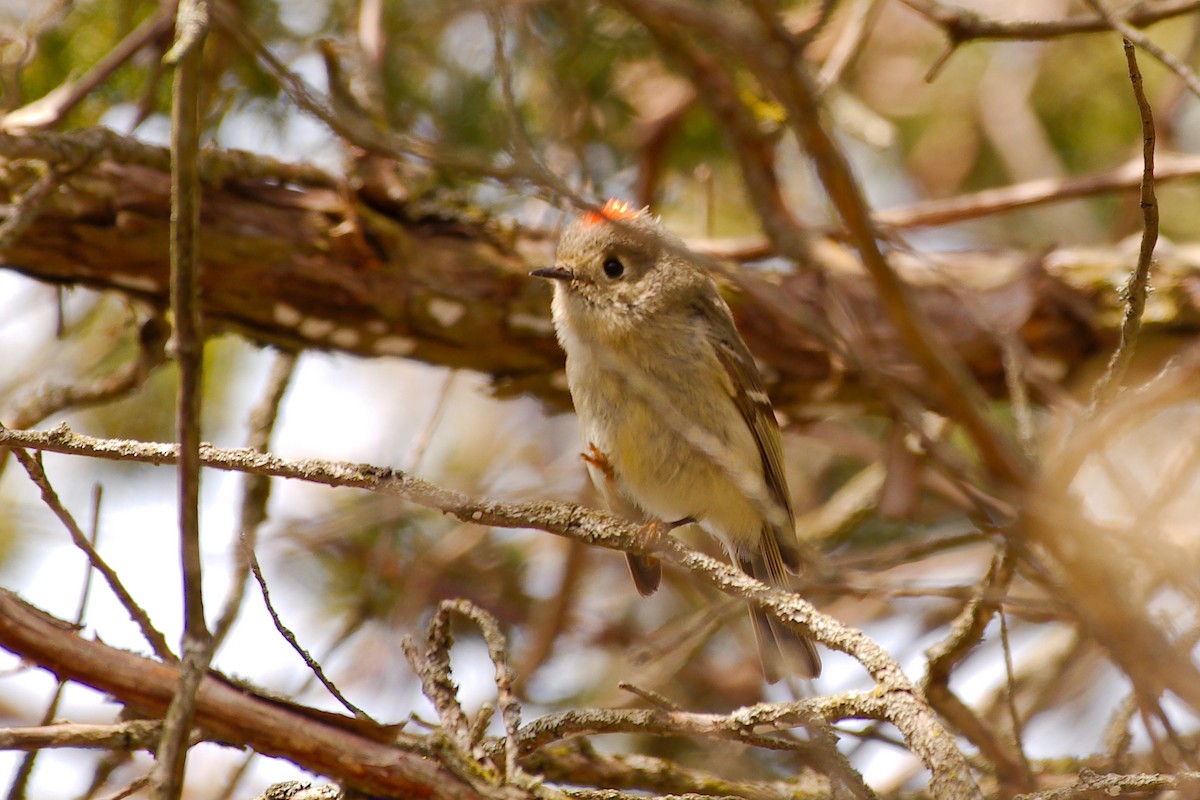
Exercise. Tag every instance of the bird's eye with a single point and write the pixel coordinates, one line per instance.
(613, 267)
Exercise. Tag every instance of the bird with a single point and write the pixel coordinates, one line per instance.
(677, 426)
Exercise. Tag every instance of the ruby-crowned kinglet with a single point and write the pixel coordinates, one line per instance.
(671, 405)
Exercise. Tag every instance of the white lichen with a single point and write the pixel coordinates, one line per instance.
(446, 312)
(287, 316)
(395, 345)
(344, 337)
(314, 328)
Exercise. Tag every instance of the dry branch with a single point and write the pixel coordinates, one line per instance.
(900, 700)
(348, 751)
(303, 265)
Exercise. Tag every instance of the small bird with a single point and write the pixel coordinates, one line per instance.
(675, 421)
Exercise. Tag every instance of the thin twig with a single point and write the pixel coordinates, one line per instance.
(743, 725)
(1132, 35)
(20, 780)
(432, 666)
(552, 617)
(1137, 286)
(965, 635)
(133, 735)
(186, 56)
(963, 25)
(420, 444)
(854, 34)
(50, 109)
(291, 639)
(131, 788)
(1010, 696)
(37, 474)
(510, 708)
(650, 696)
(41, 401)
(256, 490)
(1091, 784)
(1018, 392)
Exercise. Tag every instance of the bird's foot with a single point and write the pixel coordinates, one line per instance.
(597, 459)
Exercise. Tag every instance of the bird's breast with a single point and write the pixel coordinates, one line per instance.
(658, 419)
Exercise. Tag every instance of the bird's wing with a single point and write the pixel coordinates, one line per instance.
(746, 389)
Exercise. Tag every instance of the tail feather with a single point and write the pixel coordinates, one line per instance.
(646, 572)
(782, 650)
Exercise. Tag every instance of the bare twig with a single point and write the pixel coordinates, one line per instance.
(20, 780)
(1091, 784)
(131, 788)
(1136, 288)
(432, 666)
(987, 202)
(965, 635)
(963, 25)
(652, 697)
(256, 491)
(37, 474)
(746, 725)
(510, 708)
(1119, 736)
(863, 14)
(134, 735)
(50, 109)
(291, 639)
(1010, 696)
(1134, 36)
(191, 29)
(573, 763)
(42, 401)
(552, 616)
(420, 443)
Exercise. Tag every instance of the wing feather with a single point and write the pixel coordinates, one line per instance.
(746, 389)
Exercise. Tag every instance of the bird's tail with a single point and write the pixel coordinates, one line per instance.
(646, 572)
(782, 649)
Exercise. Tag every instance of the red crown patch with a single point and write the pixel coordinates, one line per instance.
(613, 210)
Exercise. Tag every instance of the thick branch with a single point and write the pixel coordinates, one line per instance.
(306, 266)
(328, 744)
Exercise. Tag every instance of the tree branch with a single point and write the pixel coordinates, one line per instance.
(903, 704)
(361, 756)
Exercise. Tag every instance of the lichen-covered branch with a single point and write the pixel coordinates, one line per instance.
(290, 260)
(901, 701)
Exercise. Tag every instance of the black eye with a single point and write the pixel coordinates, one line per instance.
(613, 267)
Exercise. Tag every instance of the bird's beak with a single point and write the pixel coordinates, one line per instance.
(554, 273)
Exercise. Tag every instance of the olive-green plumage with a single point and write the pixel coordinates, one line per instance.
(671, 405)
